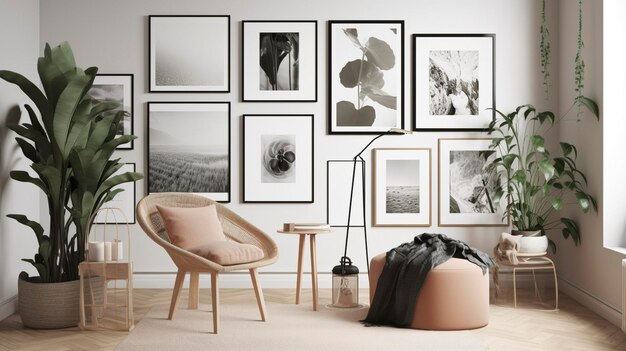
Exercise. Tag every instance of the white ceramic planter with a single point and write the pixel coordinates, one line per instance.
(533, 244)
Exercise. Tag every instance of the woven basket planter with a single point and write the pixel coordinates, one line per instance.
(48, 305)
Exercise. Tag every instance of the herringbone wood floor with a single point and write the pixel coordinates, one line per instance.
(572, 328)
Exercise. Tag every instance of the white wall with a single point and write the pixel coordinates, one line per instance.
(113, 36)
(19, 40)
(592, 273)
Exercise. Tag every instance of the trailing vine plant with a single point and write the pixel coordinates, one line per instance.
(544, 49)
(579, 63)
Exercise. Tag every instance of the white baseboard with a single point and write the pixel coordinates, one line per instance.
(8, 307)
(592, 302)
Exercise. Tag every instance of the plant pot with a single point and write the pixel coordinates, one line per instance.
(526, 232)
(531, 241)
(48, 305)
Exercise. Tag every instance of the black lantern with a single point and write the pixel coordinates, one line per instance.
(345, 284)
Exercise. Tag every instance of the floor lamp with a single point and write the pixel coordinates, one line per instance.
(355, 159)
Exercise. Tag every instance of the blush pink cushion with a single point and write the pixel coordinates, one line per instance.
(192, 226)
(228, 252)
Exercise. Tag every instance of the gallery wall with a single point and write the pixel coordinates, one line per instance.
(19, 38)
(113, 35)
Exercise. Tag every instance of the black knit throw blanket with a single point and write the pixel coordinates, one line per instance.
(405, 272)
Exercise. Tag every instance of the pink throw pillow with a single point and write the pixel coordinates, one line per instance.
(189, 227)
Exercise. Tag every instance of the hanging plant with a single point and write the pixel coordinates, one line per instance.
(544, 49)
(579, 63)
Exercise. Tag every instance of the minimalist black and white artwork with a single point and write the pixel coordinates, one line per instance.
(366, 76)
(339, 183)
(278, 158)
(189, 148)
(189, 53)
(279, 60)
(402, 195)
(466, 187)
(125, 201)
(117, 88)
(453, 81)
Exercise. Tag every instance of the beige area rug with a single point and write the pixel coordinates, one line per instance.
(289, 327)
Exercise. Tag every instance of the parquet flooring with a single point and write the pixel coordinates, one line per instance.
(573, 327)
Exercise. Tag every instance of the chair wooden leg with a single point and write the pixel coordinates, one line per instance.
(194, 290)
(260, 300)
(215, 301)
(180, 279)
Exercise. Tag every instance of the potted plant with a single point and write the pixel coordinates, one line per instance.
(538, 182)
(70, 142)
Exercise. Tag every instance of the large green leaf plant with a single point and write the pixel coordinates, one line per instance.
(539, 183)
(70, 142)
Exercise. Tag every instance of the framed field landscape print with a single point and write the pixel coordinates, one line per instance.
(453, 82)
(279, 61)
(189, 53)
(118, 88)
(189, 148)
(365, 76)
(467, 188)
(401, 196)
(278, 158)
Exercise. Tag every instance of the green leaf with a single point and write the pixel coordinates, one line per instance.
(591, 105)
(23, 176)
(571, 229)
(568, 148)
(30, 90)
(546, 167)
(538, 143)
(36, 227)
(583, 201)
(67, 105)
(557, 204)
(380, 53)
(28, 150)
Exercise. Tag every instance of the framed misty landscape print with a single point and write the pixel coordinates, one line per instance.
(401, 181)
(453, 82)
(365, 76)
(278, 158)
(467, 189)
(118, 88)
(189, 53)
(189, 148)
(279, 61)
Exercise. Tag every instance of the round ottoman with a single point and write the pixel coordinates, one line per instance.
(454, 296)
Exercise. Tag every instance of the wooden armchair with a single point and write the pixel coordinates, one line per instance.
(235, 228)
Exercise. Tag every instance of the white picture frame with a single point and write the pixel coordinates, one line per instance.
(402, 187)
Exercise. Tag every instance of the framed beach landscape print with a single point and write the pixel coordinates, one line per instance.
(189, 148)
(279, 61)
(278, 158)
(365, 76)
(453, 82)
(467, 188)
(401, 196)
(189, 53)
(118, 88)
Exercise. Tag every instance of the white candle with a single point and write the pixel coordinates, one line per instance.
(117, 250)
(96, 251)
(107, 251)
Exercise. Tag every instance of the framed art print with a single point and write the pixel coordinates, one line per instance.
(278, 158)
(453, 81)
(401, 196)
(466, 187)
(124, 200)
(279, 61)
(189, 53)
(119, 88)
(339, 182)
(189, 148)
(365, 76)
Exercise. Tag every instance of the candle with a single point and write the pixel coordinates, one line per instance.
(107, 251)
(96, 251)
(117, 250)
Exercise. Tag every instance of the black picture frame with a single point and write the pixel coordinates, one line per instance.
(194, 56)
(218, 133)
(132, 212)
(307, 68)
(423, 118)
(126, 80)
(382, 94)
(296, 185)
(356, 209)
